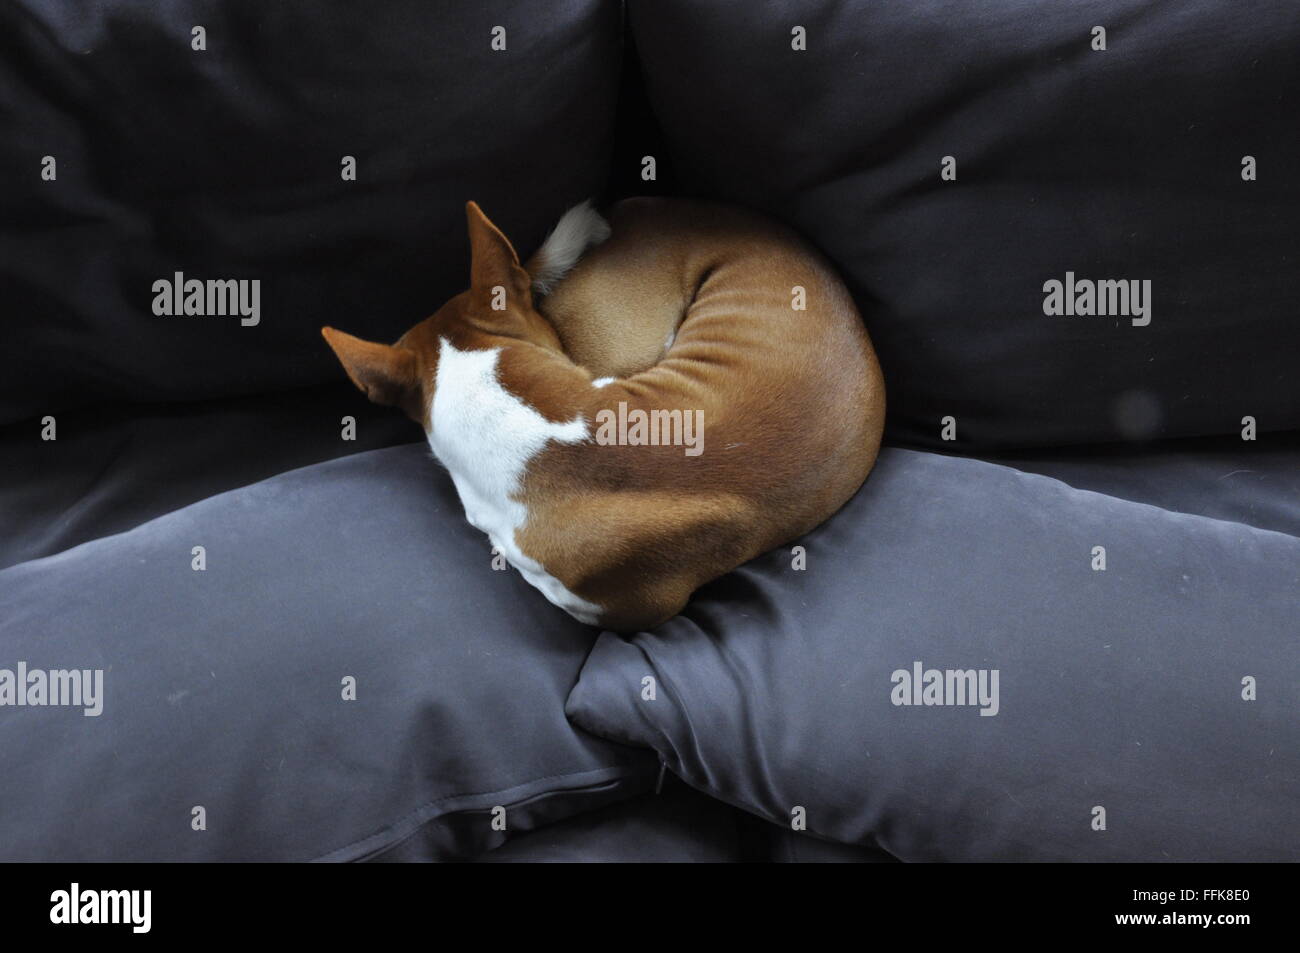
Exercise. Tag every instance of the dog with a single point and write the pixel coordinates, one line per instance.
(646, 405)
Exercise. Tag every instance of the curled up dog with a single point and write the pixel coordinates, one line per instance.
(644, 405)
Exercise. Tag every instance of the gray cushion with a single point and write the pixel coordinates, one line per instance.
(1230, 479)
(676, 825)
(796, 847)
(116, 466)
(1120, 689)
(223, 688)
(1122, 164)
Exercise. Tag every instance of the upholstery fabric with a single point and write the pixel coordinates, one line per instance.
(227, 163)
(224, 689)
(1123, 163)
(1156, 696)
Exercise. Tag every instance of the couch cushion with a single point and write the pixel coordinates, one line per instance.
(677, 825)
(796, 847)
(224, 688)
(1122, 164)
(226, 163)
(1253, 483)
(1121, 689)
(115, 466)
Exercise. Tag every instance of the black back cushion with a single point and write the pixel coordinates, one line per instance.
(1122, 163)
(227, 163)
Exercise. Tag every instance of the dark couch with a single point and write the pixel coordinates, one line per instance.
(271, 634)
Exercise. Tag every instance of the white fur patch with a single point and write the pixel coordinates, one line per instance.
(577, 230)
(485, 436)
(600, 382)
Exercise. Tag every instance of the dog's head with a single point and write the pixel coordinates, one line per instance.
(497, 306)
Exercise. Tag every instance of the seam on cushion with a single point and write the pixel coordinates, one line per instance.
(80, 505)
(663, 734)
(1184, 514)
(402, 829)
(603, 729)
(703, 787)
(1162, 507)
(1033, 475)
(539, 797)
(55, 557)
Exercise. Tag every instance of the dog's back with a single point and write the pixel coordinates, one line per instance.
(695, 308)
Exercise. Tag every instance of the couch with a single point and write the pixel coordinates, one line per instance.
(242, 616)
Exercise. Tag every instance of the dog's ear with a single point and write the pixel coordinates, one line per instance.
(493, 262)
(386, 373)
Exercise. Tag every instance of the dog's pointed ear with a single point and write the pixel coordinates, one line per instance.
(386, 373)
(493, 262)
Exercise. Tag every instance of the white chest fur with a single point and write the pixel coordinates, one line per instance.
(485, 437)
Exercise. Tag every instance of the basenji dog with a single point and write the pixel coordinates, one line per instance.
(644, 406)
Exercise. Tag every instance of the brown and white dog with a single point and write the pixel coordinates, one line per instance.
(570, 399)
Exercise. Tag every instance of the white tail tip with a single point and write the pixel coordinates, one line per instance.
(578, 229)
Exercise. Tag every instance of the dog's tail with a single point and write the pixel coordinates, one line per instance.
(578, 229)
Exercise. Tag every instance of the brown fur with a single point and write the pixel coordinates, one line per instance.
(793, 401)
